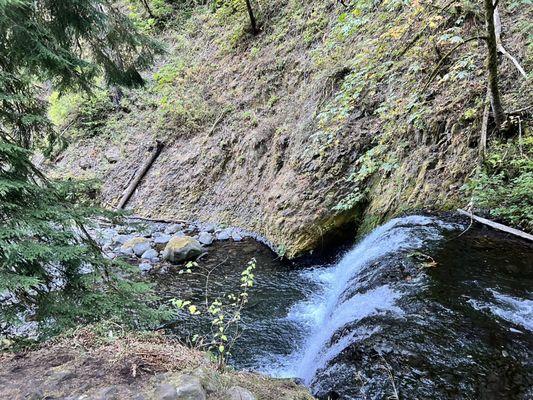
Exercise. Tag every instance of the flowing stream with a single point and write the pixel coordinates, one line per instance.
(418, 309)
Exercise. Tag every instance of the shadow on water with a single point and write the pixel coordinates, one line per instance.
(412, 310)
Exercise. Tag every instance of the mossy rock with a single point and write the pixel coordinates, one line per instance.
(183, 248)
(130, 244)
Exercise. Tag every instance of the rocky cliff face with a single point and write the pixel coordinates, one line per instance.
(321, 121)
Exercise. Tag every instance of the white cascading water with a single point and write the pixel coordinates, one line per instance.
(326, 312)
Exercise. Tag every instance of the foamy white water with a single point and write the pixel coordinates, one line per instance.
(326, 311)
(512, 309)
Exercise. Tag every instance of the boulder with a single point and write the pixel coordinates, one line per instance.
(173, 228)
(166, 391)
(208, 378)
(239, 393)
(182, 249)
(205, 238)
(190, 388)
(150, 254)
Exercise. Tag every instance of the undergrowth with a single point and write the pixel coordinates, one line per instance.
(504, 184)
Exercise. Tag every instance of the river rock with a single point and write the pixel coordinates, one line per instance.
(37, 394)
(108, 393)
(121, 239)
(205, 238)
(129, 243)
(112, 154)
(173, 228)
(236, 236)
(239, 393)
(85, 164)
(182, 249)
(61, 376)
(145, 267)
(224, 234)
(190, 388)
(105, 236)
(166, 391)
(150, 254)
(126, 251)
(140, 248)
(208, 227)
(162, 239)
(138, 245)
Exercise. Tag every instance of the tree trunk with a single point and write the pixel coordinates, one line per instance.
(492, 66)
(253, 23)
(147, 8)
(128, 192)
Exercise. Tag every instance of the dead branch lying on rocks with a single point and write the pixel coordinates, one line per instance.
(496, 225)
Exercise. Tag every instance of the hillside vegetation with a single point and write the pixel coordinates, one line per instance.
(336, 114)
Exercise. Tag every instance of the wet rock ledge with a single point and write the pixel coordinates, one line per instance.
(93, 364)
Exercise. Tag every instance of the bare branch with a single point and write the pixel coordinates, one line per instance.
(445, 57)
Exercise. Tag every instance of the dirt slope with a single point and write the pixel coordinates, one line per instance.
(320, 121)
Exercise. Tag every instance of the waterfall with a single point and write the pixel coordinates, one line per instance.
(340, 303)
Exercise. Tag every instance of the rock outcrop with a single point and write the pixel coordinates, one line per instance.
(316, 125)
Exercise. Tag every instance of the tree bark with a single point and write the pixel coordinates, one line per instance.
(253, 22)
(147, 8)
(492, 66)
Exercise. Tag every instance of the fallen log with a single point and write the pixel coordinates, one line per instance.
(496, 225)
(163, 220)
(128, 192)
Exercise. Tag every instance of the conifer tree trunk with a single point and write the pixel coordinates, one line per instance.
(492, 65)
(253, 22)
(147, 8)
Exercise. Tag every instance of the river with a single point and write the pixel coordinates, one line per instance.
(421, 308)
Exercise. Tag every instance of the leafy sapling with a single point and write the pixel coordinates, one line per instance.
(224, 313)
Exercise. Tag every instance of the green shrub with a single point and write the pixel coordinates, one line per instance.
(51, 271)
(504, 185)
(84, 115)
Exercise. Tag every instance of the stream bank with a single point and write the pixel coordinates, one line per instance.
(104, 363)
(425, 306)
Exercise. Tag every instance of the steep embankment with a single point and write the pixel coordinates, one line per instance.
(326, 117)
